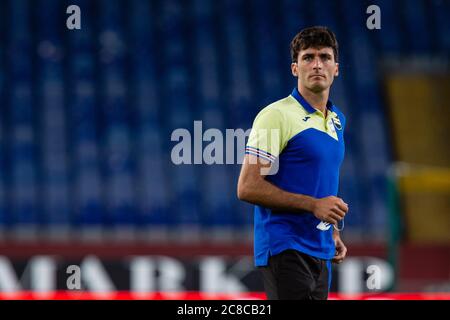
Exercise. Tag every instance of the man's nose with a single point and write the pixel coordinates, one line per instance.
(317, 63)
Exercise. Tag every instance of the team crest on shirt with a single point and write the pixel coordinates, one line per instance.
(337, 122)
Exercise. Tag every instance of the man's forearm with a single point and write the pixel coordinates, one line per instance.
(270, 196)
(336, 233)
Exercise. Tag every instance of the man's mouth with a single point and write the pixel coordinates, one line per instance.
(317, 75)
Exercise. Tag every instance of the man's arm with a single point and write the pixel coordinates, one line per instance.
(254, 188)
(341, 249)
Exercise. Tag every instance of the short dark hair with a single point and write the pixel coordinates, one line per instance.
(313, 37)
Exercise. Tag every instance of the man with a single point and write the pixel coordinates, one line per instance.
(300, 140)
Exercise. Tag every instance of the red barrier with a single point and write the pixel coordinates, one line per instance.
(126, 295)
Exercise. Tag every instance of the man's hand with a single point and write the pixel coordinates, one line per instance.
(341, 249)
(330, 209)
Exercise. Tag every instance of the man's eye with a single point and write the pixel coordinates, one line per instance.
(307, 58)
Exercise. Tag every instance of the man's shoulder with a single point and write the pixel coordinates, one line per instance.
(279, 107)
(339, 113)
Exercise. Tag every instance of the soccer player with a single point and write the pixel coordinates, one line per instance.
(291, 173)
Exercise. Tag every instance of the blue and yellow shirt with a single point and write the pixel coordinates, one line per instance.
(306, 150)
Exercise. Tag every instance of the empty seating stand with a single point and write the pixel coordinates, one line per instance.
(87, 115)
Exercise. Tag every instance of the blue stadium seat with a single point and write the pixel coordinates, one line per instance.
(265, 51)
(88, 209)
(52, 120)
(23, 143)
(5, 215)
(118, 166)
(416, 25)
(389, 39)
(237, 54)
(439, 16)
(152, 190)
(185, 211)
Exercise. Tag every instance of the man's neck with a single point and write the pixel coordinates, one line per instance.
(318, 100)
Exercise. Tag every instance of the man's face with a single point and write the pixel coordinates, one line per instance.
(315, 68)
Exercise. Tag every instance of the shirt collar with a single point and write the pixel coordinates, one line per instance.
(306, 105)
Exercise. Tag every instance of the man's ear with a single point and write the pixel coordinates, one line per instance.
(294, 69)
(337, 70)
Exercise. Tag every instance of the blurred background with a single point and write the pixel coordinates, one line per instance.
(86, 118)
